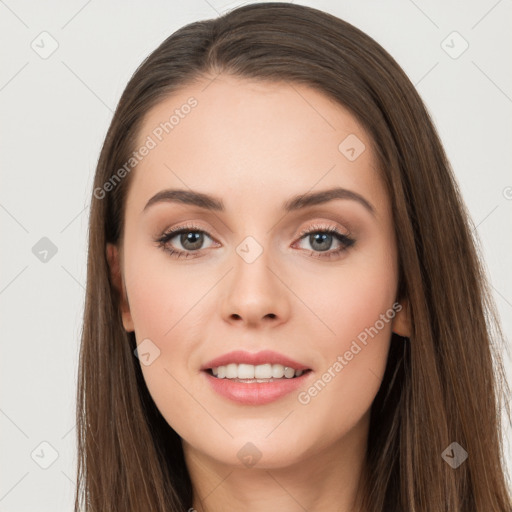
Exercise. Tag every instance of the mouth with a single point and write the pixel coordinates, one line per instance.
(253, 385)
(255, 378)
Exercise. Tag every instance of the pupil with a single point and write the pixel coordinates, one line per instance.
(320, 237)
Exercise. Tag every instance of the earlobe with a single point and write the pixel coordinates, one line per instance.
(113, 258)
(401, 323)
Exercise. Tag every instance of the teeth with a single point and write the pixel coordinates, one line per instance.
(261, 371)
(289, 372)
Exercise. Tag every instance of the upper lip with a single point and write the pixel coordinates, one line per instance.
(257, 358)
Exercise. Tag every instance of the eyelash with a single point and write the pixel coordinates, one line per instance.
(345, 241)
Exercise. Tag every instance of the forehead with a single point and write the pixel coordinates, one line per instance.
(256, 139)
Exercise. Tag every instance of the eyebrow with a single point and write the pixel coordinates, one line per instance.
(298, 202)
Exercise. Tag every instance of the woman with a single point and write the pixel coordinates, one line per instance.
(285, 308)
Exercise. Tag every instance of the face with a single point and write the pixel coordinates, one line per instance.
(257, 266)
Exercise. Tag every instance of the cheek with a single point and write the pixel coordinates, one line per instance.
(172, 308)
(350, 298)
(162, 295)
(356, 303)
(168, 308)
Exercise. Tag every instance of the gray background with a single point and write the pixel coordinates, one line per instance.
(55, 112)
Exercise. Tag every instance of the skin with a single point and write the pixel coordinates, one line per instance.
(255, 145)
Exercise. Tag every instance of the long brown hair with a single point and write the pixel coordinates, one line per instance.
(444, 384)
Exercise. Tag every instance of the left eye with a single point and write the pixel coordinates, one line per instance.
(321, 240)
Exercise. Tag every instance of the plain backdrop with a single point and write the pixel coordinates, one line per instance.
(63, 68)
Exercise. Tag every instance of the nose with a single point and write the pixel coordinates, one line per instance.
(255, 295)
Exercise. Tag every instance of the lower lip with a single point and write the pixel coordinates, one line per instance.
(255, 393)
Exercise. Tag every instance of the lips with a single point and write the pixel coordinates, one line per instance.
(255, 359)
(254, 392)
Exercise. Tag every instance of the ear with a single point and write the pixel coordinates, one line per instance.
(113, 258)
(401, 323)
